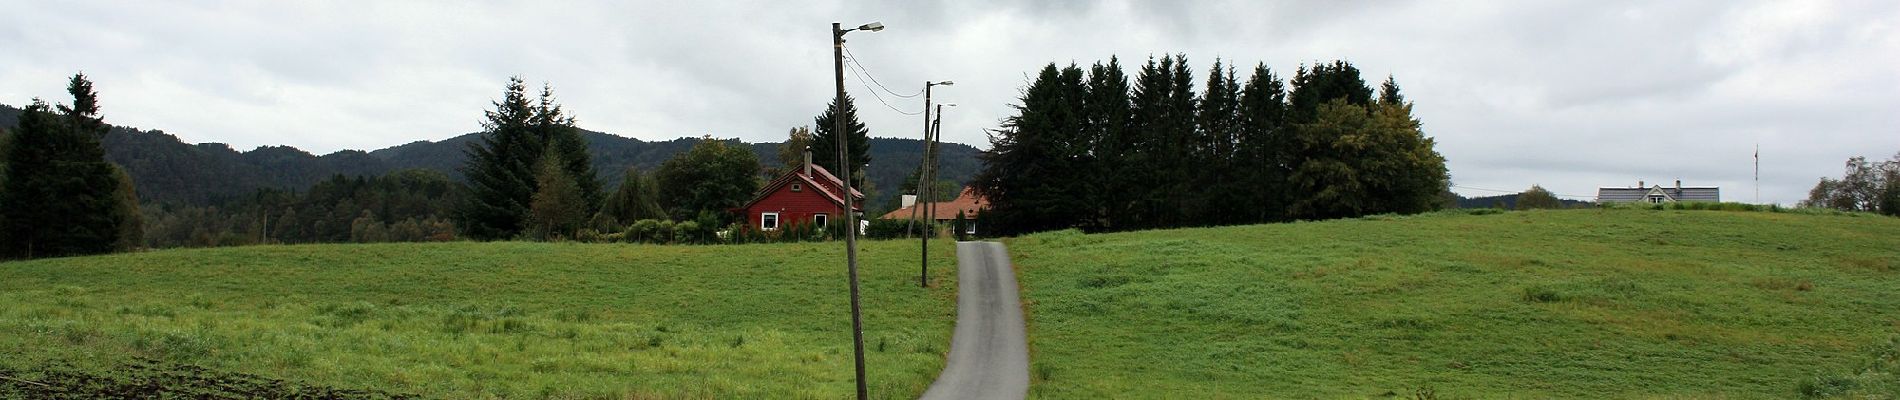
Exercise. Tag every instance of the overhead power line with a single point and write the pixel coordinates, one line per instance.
(853, 58)
(880, 98)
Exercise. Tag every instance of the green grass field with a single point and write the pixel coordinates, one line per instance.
(484, 320)
(1541, 304)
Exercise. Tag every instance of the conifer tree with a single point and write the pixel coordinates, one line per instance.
(1219, 125)
(61, 197)
(1322, 83)
(558, 130)
(1264, 147)
(1163, 112)
(1031, 170)
(824, 141)
(1115, 151)
(1389, 92)
(501, 166)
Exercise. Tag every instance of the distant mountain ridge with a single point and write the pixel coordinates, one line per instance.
(169, 171)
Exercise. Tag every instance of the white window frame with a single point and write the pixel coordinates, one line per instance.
(768, 216)
(969, 227)
(821, 219)
(798, 187)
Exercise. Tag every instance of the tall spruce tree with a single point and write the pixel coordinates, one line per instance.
(824, 141)
(1263, 148)
(1389, 92)
(1031, 174)
(558, 130)
(1219, 124)
(1322, 83)
(1163, 112)
(1115, 150)
(501, 165)
(61, 197)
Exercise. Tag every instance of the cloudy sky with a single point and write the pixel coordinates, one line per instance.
(1568, 94)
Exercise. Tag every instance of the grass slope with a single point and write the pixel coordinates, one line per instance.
(481, 320)
(1570, 304)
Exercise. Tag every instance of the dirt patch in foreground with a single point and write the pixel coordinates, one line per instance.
(148, 379)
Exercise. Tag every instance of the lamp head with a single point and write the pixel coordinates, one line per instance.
(946, 83)
(874, 27)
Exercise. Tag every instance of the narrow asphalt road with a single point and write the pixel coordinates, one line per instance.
(989, 354)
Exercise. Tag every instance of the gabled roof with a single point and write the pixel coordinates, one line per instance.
(1638, 193)
(1658, 191)
(829, 189)
(967, 202)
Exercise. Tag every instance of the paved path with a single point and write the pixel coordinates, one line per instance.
(989, 355)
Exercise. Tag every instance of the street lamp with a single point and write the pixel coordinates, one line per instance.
(923, 279)
(850, 212)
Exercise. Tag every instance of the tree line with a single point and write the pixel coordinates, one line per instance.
(1100, 151)
(1871, 186)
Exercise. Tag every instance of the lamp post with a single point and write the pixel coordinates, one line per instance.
(850, 213)
(922, 181)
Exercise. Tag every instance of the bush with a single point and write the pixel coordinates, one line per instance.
(643, 231)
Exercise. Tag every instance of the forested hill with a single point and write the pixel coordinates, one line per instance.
(169, 171)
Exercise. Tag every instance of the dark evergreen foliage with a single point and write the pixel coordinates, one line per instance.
(1322, 83)
(60, 196)
(1265, 150)
(824, 141)
(1097, 153)
(1116, 151)
(1030, 174)
(501, 166)
(408, 205)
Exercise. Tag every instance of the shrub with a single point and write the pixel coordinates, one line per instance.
(893, 228)
(689, 232)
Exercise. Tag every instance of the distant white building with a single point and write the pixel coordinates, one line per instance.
(1658, 194)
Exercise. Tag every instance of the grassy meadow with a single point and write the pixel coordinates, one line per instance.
(490, 320)
(1537, 304)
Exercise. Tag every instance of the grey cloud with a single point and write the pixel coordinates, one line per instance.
(1567, 94)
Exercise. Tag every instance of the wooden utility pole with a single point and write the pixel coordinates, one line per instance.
(850, 213)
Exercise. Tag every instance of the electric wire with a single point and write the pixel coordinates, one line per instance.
(880, 98)
(853, 58)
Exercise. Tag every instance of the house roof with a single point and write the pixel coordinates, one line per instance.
(967, 202)
(829, 187)
(1686, 193)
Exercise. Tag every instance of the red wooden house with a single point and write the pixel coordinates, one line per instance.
(810, 195)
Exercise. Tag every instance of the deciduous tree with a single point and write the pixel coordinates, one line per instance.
(712, 177)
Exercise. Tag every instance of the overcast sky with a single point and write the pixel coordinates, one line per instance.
(1571, 95)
